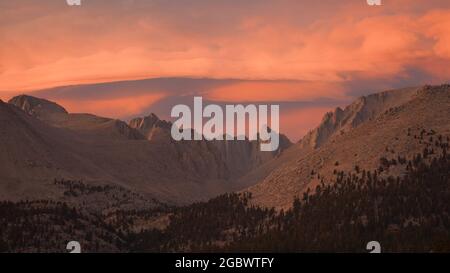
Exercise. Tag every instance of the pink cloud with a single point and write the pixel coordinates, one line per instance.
(255, 91)
(283, 40)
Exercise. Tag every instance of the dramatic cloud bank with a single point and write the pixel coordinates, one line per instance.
(297, 51)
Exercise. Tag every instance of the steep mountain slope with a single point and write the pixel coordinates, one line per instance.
(363, 109)
(372, 128)
(333, 123)
(33, 154)
(51, 144)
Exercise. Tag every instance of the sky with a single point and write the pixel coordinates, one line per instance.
(307, 56)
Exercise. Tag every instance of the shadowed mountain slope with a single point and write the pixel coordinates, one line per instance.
(358, 137)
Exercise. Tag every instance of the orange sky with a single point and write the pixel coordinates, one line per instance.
(322, 49)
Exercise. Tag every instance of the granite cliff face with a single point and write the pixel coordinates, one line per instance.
(363, 109)
(152, 128)
(235, 157)
(357, 137)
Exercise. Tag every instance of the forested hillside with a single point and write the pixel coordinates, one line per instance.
(407, 213)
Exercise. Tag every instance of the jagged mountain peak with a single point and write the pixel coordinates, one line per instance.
(148, 122)
(362, 109)
(151, 126)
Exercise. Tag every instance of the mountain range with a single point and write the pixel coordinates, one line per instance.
(374, 128)
(42, 143)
